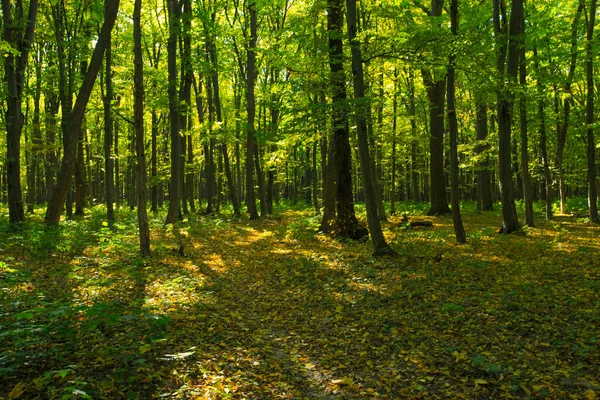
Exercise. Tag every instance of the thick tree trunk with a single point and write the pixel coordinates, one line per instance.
(459, 229)
(73, 123)
(380, 246)
(138, 113)
(436, 93)
(346, 224)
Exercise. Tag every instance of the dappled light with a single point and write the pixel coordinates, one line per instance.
(267, 311)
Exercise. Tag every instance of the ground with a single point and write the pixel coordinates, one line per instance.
(273, 309)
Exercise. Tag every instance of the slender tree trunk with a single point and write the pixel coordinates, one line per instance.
(394, 133)
(14, 67)
(174, 213)
(138, 78)
(510, 221)
(459, 229)
(562, 128)
(380, 246)
(251, 105)
(51, 109)
(36, 137)
(73, 123)
(543, 136)
(527, 187)
(591, 144)
(212, 52)
(154, 207)
(484, 174)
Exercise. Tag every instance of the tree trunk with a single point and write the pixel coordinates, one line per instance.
(154, 207)
(510, 221)
(591, 144)
(174, 213)
(484, 174)
(251, 105)
(562, 128)
(459, 229)
(138, 112)
(36, 138)
(394, 133)
(14, 67)
(527, 187)
(73, 123)
(380, 246)
(346, 224)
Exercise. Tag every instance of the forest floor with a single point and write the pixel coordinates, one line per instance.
(273, 309)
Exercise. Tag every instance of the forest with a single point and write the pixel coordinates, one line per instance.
(300, 199)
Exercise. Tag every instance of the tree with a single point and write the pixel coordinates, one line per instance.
(589, 115)
(19, 36)
(174, 213)
(346, 224)
(436, 85)
(525, 176)
(251, 107)
(138, 80)
(380, 246)
(72, 126)
(459, 229)
(510, 221)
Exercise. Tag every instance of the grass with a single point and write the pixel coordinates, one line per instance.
(273, 309)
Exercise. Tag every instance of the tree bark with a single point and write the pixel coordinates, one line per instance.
(591, 144)
(543, 137)
(73, 123)
(174, 212)
(380, 246)
(510, 221)
(484, 174)
(251, 105)
(527, 187)
(14, 67)
(459, 229)
(346, 224)
(138, 113)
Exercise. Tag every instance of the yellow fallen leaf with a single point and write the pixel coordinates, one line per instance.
(17, 391)
(344, 381)
(590, 395)
(480, 382)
